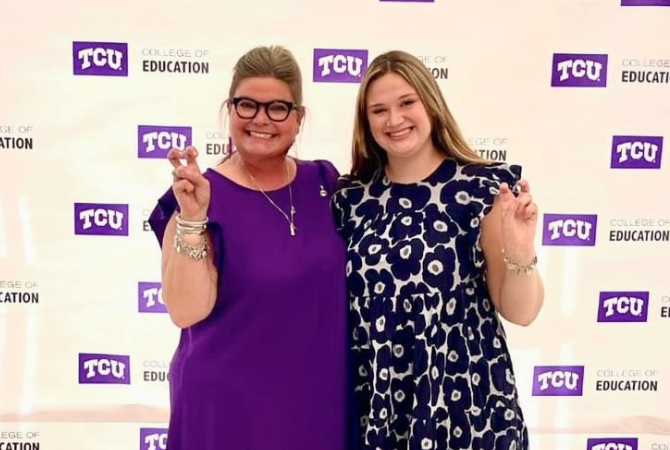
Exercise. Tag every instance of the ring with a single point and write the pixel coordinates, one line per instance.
(174, 175)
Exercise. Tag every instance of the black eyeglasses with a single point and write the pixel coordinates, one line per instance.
(276, 110)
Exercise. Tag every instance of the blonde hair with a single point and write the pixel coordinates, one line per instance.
(368, 158)
(273, 61)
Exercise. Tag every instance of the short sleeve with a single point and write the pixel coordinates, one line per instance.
(488, 179)
(162, 213)
(329, 174)
(341, 206)
(166, 207)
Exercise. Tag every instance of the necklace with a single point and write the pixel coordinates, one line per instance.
(291, 221)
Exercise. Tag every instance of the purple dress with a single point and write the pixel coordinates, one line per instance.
(266, 370)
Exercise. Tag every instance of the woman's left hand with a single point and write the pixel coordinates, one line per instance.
(519, 220)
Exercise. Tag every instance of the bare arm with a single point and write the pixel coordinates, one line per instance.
(189, 286)
(517, 296)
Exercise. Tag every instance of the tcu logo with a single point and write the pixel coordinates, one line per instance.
(341, 64)
(164, 140)
(153, 296)
(150, 297)
(580, 68)
(623, 305)
(637, 151)
(101, 57)
(101, 218)
(558, 379)
(570, 228)
(105, 367)
(645, 2)
(613, 446)
(95, 368)
(155, 441)
(156, 141)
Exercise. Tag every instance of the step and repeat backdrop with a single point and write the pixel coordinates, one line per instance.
(94, 94)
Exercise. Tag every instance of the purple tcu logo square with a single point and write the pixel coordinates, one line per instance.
(636, 152)
(155, 141)
(613, 443)
(623, 306)
(558, 381)
(645, 2)
(103, 59)
(579, 70)
(339, 66)
(569, 229)
(150, 297)
(97, 368)
(153, 438)
(100, 219)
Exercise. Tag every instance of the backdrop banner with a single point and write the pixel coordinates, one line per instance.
(95, 94)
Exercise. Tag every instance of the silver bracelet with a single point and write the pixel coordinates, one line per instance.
(196, 252)
(197, 228)
(526, 269)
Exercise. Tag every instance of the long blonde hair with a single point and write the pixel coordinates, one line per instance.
(368, 158)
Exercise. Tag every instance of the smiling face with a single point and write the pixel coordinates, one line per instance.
(260, 136)
(398, 119)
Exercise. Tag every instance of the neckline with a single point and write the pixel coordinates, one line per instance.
(298, 171)
(387, 182)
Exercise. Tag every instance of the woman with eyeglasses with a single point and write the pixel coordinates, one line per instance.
(253, 272)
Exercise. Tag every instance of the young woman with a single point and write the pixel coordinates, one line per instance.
(440, 244)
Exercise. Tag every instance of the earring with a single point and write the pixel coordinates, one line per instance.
(322, 192)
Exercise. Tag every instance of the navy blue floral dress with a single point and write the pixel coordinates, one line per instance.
(432, 368)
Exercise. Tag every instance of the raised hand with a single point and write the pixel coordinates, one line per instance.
(190, 187)
(519, 220)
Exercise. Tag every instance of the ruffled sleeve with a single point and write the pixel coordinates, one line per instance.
(161, 214)
(166, 207)
(488, 179)
(341, 206)
(329, 174)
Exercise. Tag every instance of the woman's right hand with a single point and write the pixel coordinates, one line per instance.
(190, 187)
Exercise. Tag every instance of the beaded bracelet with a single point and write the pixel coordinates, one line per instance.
(526, 269)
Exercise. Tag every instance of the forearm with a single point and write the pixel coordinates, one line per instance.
(521, 297)
(189, 285)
